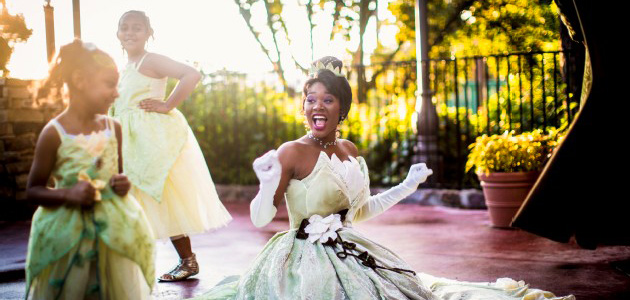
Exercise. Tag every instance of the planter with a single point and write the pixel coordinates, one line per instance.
(504, 193)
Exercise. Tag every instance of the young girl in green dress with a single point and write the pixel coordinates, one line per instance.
(89, 239)
(171, 180)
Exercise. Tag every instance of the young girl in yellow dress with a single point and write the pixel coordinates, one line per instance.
(88, 240)
(163, 160)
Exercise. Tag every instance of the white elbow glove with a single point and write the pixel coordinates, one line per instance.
(377, 204)
(268, 171)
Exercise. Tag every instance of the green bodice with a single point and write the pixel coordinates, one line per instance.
(324, 192)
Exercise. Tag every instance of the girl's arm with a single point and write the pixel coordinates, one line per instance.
(119, 182)
(160, 66)
(118, 131)
(43, 163)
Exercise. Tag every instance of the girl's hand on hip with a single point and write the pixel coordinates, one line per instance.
(120, 184)
(153, 105)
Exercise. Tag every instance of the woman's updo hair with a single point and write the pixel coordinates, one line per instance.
(73, 57)
(143, 16)
(336, 85)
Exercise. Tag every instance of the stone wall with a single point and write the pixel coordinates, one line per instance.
(21, 120)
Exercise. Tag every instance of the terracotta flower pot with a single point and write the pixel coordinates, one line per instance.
(504, 193)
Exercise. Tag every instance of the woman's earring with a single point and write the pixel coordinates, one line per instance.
(306, 124)
(338, 130)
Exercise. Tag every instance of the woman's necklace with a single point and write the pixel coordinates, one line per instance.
(321, 143)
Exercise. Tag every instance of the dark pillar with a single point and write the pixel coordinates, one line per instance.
(50, 30)
(426, 149)
(76, 17)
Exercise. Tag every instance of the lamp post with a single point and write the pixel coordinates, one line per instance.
(426, 147)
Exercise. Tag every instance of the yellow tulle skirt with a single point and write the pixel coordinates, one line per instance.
(118, 277)
(190, 203)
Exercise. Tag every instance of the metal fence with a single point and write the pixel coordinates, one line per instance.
(236, 120)
(493, 94)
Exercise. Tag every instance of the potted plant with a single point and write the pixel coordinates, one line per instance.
(508, 165)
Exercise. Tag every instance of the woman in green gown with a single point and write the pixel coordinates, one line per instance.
(326, 188)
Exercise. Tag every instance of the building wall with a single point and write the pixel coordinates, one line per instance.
(21, 119)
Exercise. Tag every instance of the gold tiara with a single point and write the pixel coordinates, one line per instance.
(315, 68)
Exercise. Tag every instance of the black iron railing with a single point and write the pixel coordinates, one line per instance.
(493, 94)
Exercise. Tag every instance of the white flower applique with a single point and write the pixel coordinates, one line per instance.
(323, 229)
(94, 144)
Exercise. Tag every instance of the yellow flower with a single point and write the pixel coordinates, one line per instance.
(508, 152)
(97, 184)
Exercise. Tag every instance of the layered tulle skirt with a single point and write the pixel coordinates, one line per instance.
(190, 203)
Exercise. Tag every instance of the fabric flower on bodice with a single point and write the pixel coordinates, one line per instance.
(97, 184)
(350, 173)
(94, 144)
(322, 229)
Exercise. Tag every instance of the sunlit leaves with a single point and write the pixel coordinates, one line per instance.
(507, 152)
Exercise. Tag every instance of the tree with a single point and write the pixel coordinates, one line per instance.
(346, 16)
(475, 27)
(12, 30)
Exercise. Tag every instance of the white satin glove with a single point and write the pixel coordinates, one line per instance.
(377, 204)
(268, 171)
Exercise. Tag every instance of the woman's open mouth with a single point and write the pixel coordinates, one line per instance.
(319, 122)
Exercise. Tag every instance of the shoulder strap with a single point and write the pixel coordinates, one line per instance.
(109, 125)
(139, 64)
(59, 128)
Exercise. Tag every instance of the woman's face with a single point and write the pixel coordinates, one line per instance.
(133, 32)
(321, 110)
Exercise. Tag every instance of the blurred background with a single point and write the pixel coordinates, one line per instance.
(492, 66)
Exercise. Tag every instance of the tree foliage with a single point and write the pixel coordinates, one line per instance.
(345, 16)
(12, 30)
(474, 27)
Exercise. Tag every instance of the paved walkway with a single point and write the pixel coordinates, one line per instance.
(440, 241)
